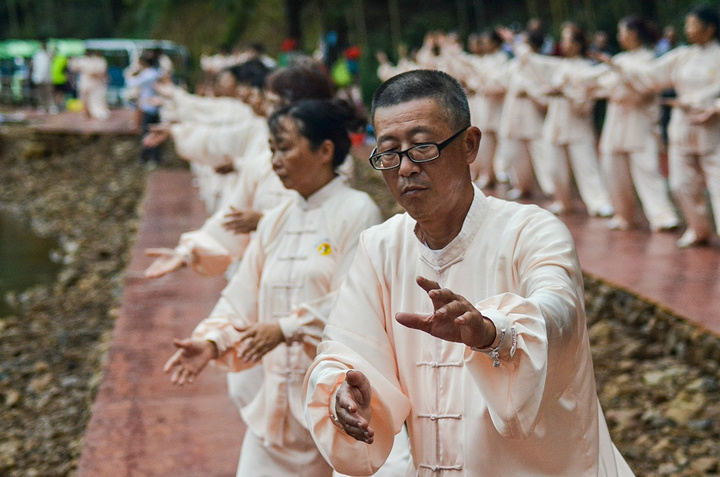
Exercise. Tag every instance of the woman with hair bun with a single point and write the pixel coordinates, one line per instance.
(273, 311)
(694, 129)
(629, 143)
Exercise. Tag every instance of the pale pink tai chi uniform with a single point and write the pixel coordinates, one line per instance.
(214, 132)
(289, 275)
(520, 132)
(486, 104)
(694, 149)
(535, 414)
(386, 71)
(92, 84)
(569, 133)
(629, 147)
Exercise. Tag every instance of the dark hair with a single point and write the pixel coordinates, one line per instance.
(259, 48)
(708, 16)
(425, 84)
(647, 32)
(536, 39)
(578, 35)
(294, 83)
(492, 35)
(148, 59)
(252, 72)
(319, 120)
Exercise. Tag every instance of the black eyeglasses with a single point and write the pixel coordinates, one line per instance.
(425, 152)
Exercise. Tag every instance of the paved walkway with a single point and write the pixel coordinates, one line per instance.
(142, 426)
(121, 122)
(684, 282)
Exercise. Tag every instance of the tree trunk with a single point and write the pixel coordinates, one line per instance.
(395, 23)
(293, 9)
(590, 15)
(532, 9)
(360, 25)
(648, 10)
(462, 14)
(12, 13)
(479, 8)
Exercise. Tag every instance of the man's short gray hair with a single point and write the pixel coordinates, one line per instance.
(425, 84)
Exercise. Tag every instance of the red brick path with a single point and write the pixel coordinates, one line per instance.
(141, 425)
(120, 122)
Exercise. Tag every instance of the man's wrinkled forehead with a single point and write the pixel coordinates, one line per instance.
(425, 112)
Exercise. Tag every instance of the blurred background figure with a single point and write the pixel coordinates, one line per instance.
(59, 78)
(667, 42)
(92, 83)
(41, 80)
(144, 79)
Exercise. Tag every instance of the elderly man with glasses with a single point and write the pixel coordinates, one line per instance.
(463, 318)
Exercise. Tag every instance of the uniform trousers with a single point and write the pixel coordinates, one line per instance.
(582, 158)
(523, 158)
(690, 175)
(639, 171)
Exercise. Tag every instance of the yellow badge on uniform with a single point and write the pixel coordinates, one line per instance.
(324, 248)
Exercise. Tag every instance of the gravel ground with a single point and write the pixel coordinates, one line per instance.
(663, 412)
(86, 192)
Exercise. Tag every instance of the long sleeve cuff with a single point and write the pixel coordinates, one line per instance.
(185, 250)
(290, 327)
(503, 347)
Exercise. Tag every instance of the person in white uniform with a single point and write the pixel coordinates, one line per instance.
(630, 139)
(274, 309)
(694, 129)
(463, 317)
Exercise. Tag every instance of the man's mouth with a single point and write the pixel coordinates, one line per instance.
(409, 189)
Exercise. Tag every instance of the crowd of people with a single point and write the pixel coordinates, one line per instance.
(80, 82)
(536, 113)
(451, 339)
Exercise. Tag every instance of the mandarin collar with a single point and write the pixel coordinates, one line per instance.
(455, 250)
(322, 195)
(709, 45)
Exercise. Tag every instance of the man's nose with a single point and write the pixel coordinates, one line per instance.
(407, 167)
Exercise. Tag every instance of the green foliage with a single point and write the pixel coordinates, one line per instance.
(208, 25)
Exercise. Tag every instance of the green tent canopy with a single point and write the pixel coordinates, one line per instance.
(26, 48)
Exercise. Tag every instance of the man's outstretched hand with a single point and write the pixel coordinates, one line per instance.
(454, 319)
(352, 407)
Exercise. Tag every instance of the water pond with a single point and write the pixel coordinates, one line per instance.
(24, 258)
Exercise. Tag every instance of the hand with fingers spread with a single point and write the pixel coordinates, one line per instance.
(352, 407)
(259, 339)
(158, 134)
(454, 319)
(242, 221)
(191, 357)
(167, 260)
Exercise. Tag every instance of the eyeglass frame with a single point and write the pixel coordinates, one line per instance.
(439, 145)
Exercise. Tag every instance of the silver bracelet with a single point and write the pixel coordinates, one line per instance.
(494, 353)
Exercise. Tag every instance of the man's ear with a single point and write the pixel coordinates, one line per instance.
(327, 151)
(472, 143)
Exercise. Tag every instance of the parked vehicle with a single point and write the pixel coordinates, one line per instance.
(16, 55)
